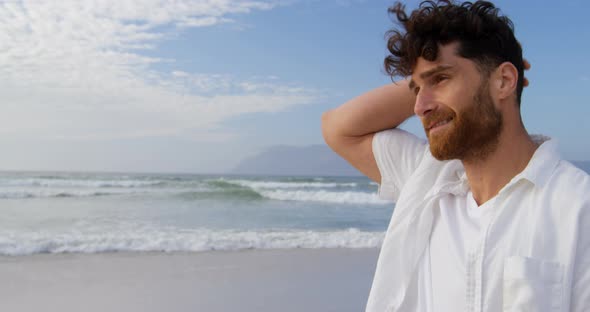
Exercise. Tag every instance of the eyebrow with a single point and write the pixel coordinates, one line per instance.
(428, 73)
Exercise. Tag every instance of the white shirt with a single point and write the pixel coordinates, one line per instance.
(533, 253)
(456, 234)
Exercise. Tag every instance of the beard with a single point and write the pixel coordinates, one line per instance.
(473, 133)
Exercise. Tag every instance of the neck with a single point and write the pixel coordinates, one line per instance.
(489, 175)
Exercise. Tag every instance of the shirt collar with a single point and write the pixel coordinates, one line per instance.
(451, 180)
(544, 160)
(538, 170)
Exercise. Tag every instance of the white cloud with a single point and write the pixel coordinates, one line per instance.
(75, 69)
(205, 21)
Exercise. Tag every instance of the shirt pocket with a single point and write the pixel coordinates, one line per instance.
(532, 285)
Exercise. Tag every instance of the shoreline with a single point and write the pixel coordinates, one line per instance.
(337, 279)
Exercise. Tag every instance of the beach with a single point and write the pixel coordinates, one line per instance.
(336, 279)
(178, 242)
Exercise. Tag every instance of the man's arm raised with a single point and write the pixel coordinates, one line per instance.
(349, 128)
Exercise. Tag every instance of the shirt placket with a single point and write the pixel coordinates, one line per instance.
(471, 274)
(475, 265)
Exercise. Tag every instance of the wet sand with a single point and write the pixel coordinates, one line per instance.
(253, 280)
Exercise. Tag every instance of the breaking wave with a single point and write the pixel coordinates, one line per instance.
(140, 239)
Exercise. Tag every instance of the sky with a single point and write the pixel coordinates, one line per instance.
(196, 86)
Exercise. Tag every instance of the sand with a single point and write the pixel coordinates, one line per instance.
(252, 280)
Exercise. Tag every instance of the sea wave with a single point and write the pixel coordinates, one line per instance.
(193, 188)
(289, 185)
(328, 192)
(53, 193)
(235, 192)
(229, 190)
(326, 196)
(62, 182)
(179, 240)
(227, 194)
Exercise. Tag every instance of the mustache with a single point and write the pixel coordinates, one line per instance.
(436, 116)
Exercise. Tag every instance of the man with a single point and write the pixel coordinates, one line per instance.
(487, 217)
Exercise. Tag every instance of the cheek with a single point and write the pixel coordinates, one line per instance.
(453, 95)
(448, 111)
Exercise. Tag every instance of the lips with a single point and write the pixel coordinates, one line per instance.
(439, 123)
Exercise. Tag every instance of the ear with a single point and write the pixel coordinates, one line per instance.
(505, 79)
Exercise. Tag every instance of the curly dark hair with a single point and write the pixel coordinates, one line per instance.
(484, 36)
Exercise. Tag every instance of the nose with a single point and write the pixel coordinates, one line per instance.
(424, 103)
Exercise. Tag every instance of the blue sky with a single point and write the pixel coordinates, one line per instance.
(196, 86)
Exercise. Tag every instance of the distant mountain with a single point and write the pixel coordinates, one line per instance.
(314, 160)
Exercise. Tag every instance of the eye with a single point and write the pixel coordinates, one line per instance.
(416, 90)
(439, 78)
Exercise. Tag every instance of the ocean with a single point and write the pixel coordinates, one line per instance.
(59, 212)
(62, 212)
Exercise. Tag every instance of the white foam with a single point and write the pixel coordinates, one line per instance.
(95, 183)
(47, 193)
(288, 185)
(326, 196)
(143, 239)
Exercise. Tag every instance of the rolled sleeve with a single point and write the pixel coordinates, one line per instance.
(397, 154)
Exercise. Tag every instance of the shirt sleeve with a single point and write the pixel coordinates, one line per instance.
(398, 154)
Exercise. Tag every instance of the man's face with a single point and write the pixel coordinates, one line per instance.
(455, 106)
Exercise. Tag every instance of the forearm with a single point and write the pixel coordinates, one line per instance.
(382, 108)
